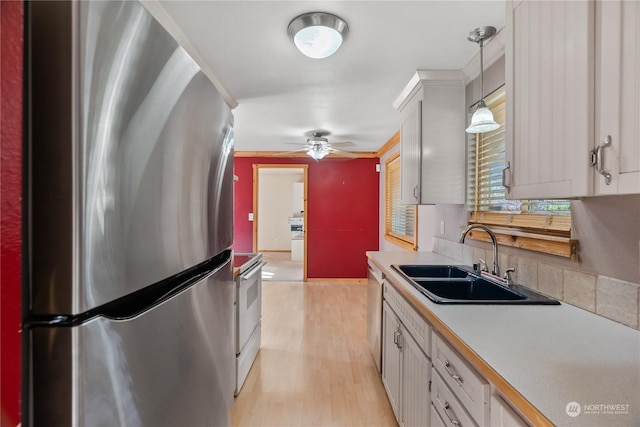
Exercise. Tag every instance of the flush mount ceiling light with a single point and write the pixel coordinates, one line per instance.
(482, 119)
(317, 34)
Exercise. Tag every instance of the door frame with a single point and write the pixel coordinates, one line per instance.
(256, 215)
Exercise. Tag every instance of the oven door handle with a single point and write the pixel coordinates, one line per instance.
(253, 271)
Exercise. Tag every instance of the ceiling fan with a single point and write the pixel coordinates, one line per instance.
(317, 146)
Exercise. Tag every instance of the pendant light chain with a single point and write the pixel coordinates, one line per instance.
(481, 72)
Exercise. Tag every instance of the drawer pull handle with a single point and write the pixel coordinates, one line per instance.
(452, 372)
(450, 414)
(396, 337)
(504, 177)
(597, 159)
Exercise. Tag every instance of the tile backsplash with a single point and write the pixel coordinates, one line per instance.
(614, 299)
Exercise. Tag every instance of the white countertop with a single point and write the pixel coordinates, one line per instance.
(551, 355)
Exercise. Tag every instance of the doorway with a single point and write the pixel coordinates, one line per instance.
(280, 219)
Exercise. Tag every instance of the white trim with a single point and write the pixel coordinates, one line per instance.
(425, 78)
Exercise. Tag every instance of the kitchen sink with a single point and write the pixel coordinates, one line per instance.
(433, 271)
(469, 289)
(449, 284)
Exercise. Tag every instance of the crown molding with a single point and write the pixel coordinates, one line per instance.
(302, 154)
(423, 78)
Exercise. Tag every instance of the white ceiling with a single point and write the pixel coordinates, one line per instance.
(282, 95)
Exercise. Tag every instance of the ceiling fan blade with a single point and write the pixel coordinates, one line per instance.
(344, 144)
(293, 153)
(343, 153)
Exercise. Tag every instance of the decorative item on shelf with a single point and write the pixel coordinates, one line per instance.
(317, 34)
(482, 119)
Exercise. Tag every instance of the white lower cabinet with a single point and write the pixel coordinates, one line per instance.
(391, 357)
(406, 369)
(436, 420)
(416, 373)
(429, 384)
(466, 391)
(502, 415)
(452, 412)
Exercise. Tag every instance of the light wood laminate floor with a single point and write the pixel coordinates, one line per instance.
(314, 367)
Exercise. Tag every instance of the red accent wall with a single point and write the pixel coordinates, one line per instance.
(11, 50)
(342, 216)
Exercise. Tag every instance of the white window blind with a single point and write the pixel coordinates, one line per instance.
(486, 195)
(400, 220)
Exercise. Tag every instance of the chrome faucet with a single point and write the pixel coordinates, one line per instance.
(496, 268)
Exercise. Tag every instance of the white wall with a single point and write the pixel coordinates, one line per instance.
(275, 206)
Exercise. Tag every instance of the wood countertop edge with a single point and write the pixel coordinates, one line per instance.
(527, 409)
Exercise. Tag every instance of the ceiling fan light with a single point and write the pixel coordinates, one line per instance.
(482, 120)
(317, 152)
(317, 34)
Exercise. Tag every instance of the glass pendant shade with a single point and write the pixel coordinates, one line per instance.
(317, 152)
(482, 120)
(318, 42)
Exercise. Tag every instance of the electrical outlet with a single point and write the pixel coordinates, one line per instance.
(441, 227)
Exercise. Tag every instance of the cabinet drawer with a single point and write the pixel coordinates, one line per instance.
(436, 420)
(413, 322)
(449, 408)
(470, 388)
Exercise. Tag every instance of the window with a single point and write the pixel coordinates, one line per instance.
(400, 220)
(541, 225)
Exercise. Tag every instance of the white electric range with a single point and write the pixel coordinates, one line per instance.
(248, 308)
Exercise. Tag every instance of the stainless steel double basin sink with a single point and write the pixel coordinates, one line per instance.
(451, 284)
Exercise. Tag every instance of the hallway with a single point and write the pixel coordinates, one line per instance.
(281, 268)
(314, 365)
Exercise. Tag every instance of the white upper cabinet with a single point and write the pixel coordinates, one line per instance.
(549, 56)
(432, 138)
(618, 97)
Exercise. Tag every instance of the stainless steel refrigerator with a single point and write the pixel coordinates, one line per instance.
(129, 296)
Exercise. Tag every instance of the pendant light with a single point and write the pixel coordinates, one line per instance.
(317, 34)
(482, 119)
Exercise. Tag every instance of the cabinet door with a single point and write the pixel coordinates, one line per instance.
(416, 374)
(618, 96)
(391, 357)
(549, 53)
(503, 416)
(410, 155)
